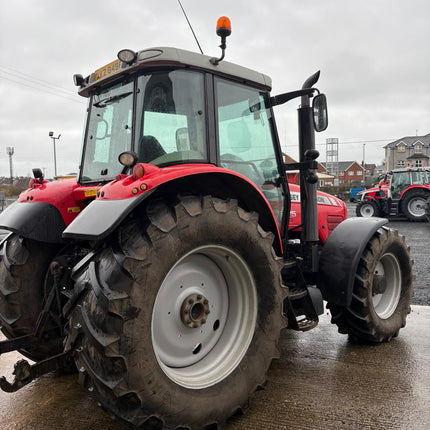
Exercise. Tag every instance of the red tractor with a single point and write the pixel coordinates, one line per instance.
(402, 193)
(167, 270)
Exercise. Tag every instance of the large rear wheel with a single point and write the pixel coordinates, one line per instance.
(382, 291)
(24, 265)
(413, 204)
(183, 315)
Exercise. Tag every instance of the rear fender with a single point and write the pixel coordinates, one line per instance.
(102, 216)
(340, 257)
(39, 221)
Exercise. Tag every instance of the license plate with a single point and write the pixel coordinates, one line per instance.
(107, 70)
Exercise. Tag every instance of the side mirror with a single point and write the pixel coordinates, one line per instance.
(319, 108)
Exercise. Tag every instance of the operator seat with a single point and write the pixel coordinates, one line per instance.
(149, 149)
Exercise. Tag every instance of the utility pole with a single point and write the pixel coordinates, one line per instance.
(10, 150)
(51, 135)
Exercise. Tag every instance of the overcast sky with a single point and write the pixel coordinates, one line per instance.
(374, 58)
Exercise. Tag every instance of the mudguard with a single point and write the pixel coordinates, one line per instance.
(39, 221)
(101, 217)
(340, 257)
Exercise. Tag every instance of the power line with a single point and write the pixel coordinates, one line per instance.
(348, 142)
(45, 90)
(17, 74)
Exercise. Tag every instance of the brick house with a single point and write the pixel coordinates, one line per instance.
(348, 172)
(294, 177)
(408, 151)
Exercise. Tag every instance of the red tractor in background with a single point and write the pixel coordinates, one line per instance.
(167, 270)
(402, 193)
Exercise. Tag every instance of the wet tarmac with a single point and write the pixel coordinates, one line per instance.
(321, 381)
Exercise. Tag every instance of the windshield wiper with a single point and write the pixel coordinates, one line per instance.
(109, 100)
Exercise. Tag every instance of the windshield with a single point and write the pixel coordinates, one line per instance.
(167, 126)
(108, 133)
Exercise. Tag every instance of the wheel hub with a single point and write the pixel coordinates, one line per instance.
(194, 310)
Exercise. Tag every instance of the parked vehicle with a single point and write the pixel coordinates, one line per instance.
(402, 193)
(168, 268)
(353, 193)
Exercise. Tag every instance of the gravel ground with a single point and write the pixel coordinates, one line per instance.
(417, 236)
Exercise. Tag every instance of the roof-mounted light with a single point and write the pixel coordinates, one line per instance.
(128, 158)
(127, 56)
(78, 80)
(223, 29)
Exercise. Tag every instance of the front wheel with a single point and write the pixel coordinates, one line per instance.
(367, 208)
(183, 316)
(382, 291)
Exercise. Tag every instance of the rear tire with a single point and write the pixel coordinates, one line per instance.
(427, 208)
(382, 291)
(367, 208)
(183, 316)
(413, 205)
(23, 267)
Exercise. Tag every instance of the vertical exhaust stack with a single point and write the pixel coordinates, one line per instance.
(308, 178)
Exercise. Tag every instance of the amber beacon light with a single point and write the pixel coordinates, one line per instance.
(223, 29)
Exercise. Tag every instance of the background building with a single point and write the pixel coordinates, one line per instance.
(408, 151)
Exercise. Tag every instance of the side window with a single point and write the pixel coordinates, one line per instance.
(245, 138)
(171, 118)
(399, 182)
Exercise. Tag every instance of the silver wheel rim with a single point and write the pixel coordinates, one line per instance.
(416, 207)
(204, 316)
(367, 210)
(386, 303)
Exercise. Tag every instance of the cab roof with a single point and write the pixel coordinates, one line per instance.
(161, 57)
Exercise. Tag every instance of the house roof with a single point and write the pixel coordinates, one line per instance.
(342, 166)
(410, 141)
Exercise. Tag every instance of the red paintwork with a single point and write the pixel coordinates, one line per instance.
(70, 198)
(331, 210)
(370, 193)
(67, 196)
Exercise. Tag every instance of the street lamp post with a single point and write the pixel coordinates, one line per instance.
(51, 135)
(10, 151)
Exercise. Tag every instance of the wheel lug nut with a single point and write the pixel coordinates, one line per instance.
(203, 321)
(195, 325)
(191, 301)
(207, 312)
(199, 297)
(205, 302)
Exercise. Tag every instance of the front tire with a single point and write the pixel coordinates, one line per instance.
(382, 291)
(184, 314)
(367, 208)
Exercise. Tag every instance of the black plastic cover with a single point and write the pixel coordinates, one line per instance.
(340, 256)
(100, 218)
(34, 220)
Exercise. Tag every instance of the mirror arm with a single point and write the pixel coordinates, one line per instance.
(285, 97)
